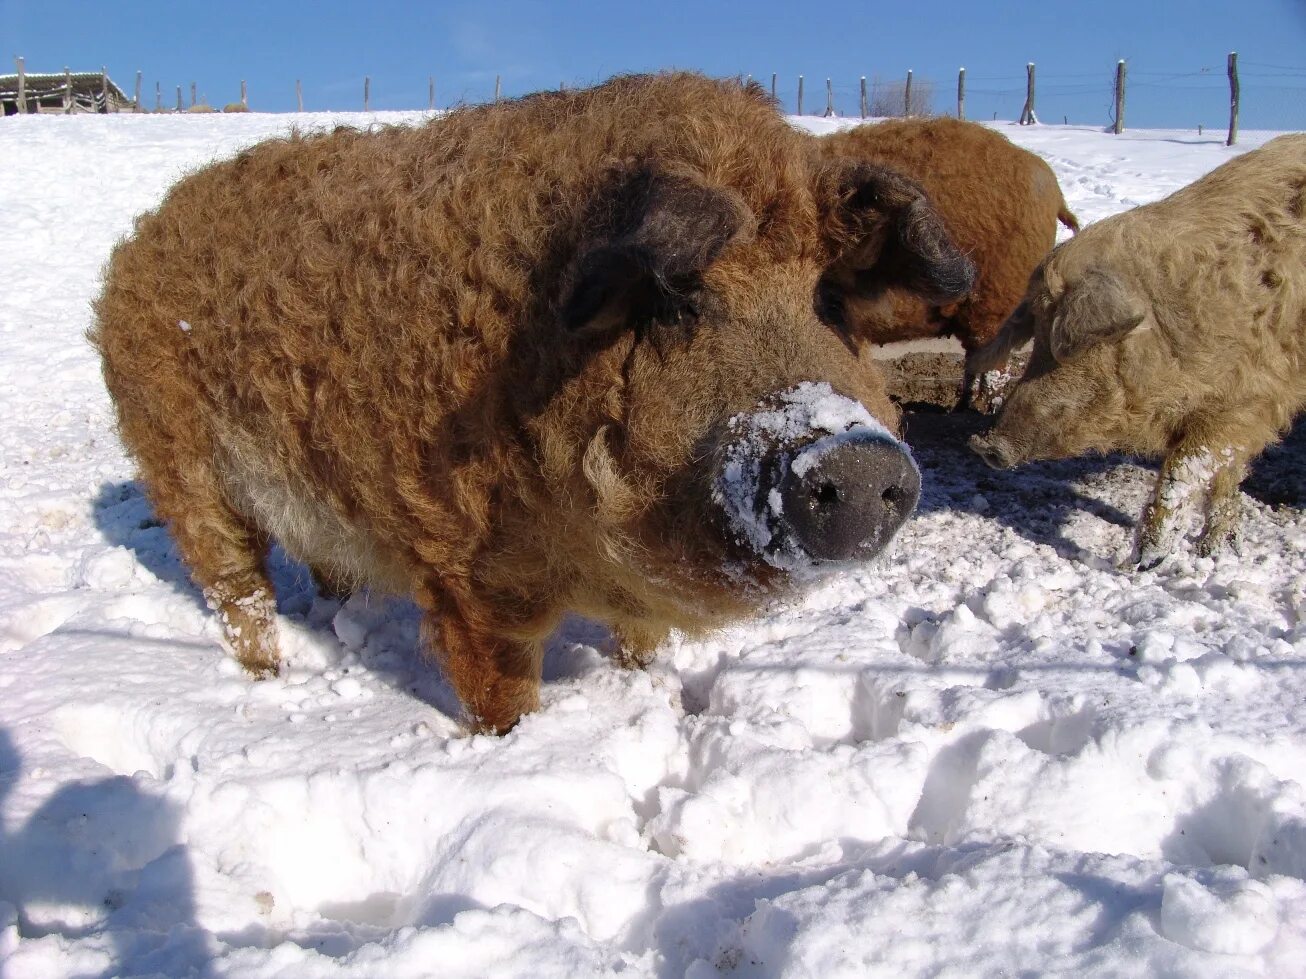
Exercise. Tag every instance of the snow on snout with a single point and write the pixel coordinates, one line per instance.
(798, 418)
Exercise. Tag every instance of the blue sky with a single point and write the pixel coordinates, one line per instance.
(1176, 51)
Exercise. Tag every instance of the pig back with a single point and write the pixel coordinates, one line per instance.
(367, 320)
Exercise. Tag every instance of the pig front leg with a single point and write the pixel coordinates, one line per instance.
(1224, 504)
(496, 678)
(1191, 471)
(985, 392)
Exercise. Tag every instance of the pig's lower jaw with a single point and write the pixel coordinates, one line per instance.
(787, 568)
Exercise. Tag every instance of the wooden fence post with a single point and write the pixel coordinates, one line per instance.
(367, 93)
(178, 98)
(430, 93)
(158, 96)
(67, 91)
(1233, 99)
(773, 85)
(244, 94)
(192, 95)
(136, 103)
(829, 99)
(22, 86)
(1027, 116)
(800, 95)
(104, 88)
(863, 96)
(906, 95)
(961, 93)
(1119, 126)
(496, 88)
(299, 95)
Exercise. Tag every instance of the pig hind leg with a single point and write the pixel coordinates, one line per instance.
(224, 553)
(166, 428)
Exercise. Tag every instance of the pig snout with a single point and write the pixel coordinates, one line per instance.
(809, 478)
(995, 450)
(843, 497)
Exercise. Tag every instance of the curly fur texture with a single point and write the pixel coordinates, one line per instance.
(1001, 204)
(1175, 330)
(485, 362)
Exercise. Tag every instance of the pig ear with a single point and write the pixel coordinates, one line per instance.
(882, 227)
(1097, 309)
(656, 234)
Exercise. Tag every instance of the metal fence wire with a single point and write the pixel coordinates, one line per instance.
(1272, 97)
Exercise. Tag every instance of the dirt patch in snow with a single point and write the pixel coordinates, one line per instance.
(924, 378)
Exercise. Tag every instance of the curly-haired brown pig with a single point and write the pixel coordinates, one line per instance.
(557, 354)
(1177, 329)
(1001, 204)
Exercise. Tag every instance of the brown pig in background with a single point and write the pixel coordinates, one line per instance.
(1178, 330)
(550, 355)
(1001, 204)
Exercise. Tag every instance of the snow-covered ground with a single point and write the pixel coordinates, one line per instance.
(992, 754)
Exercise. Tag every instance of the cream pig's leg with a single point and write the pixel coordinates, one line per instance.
(1224, 503)
(1184, 475)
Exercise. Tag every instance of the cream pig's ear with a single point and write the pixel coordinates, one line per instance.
(1097, 309)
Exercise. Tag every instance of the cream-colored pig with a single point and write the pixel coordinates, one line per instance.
(1174, 330)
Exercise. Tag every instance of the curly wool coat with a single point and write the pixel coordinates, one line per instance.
(485, 361)
(1001, 204)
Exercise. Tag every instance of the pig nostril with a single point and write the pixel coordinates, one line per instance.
(827, 494)
(849, 497)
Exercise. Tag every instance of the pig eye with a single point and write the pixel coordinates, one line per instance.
(687, 313)
(673, 309)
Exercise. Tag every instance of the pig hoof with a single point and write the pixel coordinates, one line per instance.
(1148, 560)
(633, 659)
(494, 729)
(1216, 544)
(636, 647)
